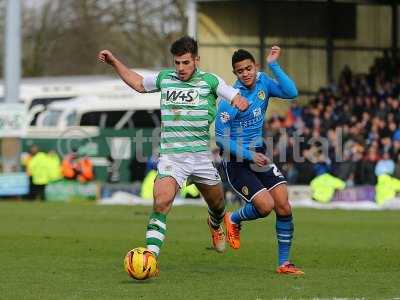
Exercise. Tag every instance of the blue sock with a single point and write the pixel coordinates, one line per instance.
(245, 213)
(284, 233)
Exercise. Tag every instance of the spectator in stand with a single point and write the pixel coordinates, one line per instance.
(77, 168)
(396, 135)
(385, 165)
(365, 168)
(397, 166)
(360, 116)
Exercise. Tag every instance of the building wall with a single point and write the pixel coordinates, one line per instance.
(224, 27)
(373, 30)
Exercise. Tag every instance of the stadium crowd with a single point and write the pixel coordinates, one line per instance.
(350, 129)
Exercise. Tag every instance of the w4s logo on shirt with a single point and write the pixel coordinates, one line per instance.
(182, 96)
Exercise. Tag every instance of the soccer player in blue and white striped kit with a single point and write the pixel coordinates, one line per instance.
(251, 174)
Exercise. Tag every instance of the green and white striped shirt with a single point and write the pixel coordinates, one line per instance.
(187, 108)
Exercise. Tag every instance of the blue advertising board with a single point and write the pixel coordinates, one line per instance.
(14, 184)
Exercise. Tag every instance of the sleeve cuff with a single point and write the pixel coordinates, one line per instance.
(150, 82)
(273, 64)
(227, 92)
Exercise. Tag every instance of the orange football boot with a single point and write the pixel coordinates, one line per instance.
(289, 268)
(217, 237)
(232, 232)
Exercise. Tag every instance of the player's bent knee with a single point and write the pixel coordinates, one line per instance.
(283, 210)
(162, 204)
(213, 195)
(163, 200)
(264, 203)
(164, 193)
(280, 196)
(265, 210)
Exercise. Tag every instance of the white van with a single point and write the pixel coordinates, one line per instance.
(93, 113)
(38, 93)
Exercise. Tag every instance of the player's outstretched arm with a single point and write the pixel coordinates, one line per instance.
(284, 87)
(223, 126)
(131, 78)
(225, 114)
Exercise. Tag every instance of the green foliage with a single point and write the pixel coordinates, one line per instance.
(76, 251)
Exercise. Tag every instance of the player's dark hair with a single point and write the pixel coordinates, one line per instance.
(240, 55)
(184, 45)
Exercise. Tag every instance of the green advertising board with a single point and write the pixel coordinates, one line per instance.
(67, 191)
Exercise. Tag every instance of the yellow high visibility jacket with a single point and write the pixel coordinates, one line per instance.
(386, 188)
(54, 167)
(146, 191)
(323, 187)
(189, 190)
(38, 167)
(25, 161)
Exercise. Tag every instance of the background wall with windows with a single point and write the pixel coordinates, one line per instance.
(318, 38)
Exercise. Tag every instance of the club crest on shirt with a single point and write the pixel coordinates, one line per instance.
(245, 190)
(261, 95)
(224, 116)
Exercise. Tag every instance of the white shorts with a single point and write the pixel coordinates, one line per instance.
(196, 167)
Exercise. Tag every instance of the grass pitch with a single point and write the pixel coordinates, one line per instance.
(76, 251)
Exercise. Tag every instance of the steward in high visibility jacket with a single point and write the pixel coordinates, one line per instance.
(386, 188)
(80, 169)
(146, 191)
(38, 168)
(189, 191)
(85, 170)
(54, 166)
(68, 166)
(27, 157)
(323, 187)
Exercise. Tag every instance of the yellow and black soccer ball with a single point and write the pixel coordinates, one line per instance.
(141, 264)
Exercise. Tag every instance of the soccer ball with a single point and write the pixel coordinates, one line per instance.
(140, 264)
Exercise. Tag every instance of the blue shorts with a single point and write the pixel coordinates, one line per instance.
(248, 180)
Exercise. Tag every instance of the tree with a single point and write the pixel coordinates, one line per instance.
(62, 37)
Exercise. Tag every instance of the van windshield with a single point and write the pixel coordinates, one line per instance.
(121, 119)
(71, 119)
(51, 118)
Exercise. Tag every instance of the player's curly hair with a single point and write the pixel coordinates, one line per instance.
(184, 45)
(240, 55)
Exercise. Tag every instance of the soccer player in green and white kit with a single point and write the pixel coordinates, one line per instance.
(188, 106)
